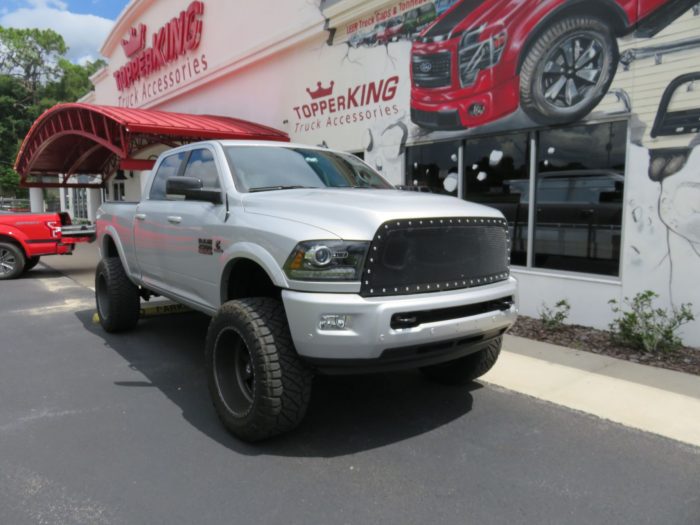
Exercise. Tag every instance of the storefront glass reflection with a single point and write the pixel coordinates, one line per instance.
(496, 174)
(580, 184)
(432, 168)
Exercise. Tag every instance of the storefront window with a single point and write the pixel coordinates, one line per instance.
(496, 174)
(433, 168)
(580, 183)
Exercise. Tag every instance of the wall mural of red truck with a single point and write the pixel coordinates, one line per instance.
(482, 60)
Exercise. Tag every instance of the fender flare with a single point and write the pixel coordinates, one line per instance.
(257, 254)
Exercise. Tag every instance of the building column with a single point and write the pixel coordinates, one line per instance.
(36, 200)
(62, 196)
(94, 200)
(71, 203)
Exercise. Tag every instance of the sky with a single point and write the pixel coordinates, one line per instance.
(84, 24)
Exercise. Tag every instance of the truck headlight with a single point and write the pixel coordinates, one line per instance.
(476, 55)
(326, 261)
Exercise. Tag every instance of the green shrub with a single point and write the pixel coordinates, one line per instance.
(553, 318)
(646, 328)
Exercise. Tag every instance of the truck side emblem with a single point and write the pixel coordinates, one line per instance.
(205, 246)
(217, 246)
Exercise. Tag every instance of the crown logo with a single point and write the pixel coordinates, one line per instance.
(321, 91)
(136, 41)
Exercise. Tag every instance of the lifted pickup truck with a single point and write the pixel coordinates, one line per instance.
(25, 237)
(308, 261)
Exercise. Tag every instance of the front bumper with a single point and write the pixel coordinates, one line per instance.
(369, 335)
(449, 110)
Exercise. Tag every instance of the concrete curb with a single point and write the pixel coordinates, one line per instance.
(652, 399)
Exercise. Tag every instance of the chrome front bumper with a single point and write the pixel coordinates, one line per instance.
(368, 332)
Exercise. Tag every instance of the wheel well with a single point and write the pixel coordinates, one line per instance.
(605, 10)
(109, 247)
(246, 278)
(12, 240)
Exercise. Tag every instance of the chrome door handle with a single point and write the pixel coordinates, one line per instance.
(140, 216)
(174, 219)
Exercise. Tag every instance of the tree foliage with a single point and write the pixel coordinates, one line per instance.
(34, 75)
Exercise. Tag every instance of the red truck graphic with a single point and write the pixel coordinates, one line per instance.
(25, 237)
(482, 59)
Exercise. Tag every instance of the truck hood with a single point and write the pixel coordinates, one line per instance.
(356, 214)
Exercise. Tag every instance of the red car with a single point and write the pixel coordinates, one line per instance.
(25, 237)
(481, 60)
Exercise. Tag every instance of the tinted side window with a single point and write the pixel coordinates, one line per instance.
(168, 168)
(201, 165)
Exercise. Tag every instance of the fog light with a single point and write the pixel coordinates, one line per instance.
(333, 322)
(476, 110)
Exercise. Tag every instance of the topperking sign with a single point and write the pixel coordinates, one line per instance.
(177, 38)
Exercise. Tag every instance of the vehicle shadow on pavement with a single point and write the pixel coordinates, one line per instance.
(347, 414)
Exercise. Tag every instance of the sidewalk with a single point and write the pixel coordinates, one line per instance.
(652, 399)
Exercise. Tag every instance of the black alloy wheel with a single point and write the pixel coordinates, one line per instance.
(234, 375)
(259, 385)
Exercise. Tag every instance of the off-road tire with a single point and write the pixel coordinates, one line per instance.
(117, 298)
(531, 71)
(465, 369)
(31, 263)
(12, 259)
(279, 390)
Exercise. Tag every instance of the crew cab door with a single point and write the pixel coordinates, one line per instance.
(193, 244)
(151, 227)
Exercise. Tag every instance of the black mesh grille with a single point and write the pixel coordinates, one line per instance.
(429, 255)
(431, 70)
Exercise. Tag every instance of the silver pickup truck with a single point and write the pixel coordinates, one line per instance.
(308, 261)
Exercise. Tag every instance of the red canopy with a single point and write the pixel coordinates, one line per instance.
(92, 141)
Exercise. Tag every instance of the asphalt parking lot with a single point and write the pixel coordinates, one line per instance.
(103, 429)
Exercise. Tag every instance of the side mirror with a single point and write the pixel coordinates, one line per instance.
(191, 189)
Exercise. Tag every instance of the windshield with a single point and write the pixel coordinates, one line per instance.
(261, 168)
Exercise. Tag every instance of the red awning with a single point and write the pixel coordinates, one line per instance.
(91, 142)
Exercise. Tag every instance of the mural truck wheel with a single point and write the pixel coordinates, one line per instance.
(567, 70)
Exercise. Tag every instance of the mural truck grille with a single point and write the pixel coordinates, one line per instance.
(412, 256)
(431, 71)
